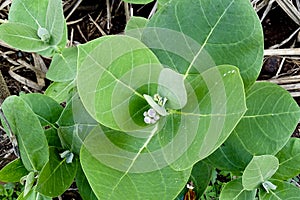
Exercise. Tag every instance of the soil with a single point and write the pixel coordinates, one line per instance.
(277, 27)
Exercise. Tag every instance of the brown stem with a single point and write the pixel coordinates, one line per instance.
(4, 92)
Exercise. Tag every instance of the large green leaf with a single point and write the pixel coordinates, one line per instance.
(47, 109)
(284, 191)
(63, 66)
(271, 118)
(33, 195)
(57, 175)
(221, 32)
(13, 171)
(234, 191)
(31, 139)
(135, 26)
(109, 87)
(289, 160)
(132, 183)
(265, 128)
(259, 170)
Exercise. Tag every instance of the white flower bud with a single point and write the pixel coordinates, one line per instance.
(151, 112)
(147, 120)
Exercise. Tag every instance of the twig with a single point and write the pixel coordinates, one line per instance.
(24, 81)
(267, 10)
(78, 27)
(153, 10)
(4, 92)
(280, 67)
(108, 24)
(286, 40)
(97, 26)
(74, 8)
(127, 14)
(282, 52)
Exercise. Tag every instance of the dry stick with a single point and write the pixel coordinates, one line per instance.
(267, 10)
(24, 81)
(97, 26)
(282, 52)
(75, 21)
(153, 10)
(280, 67)
(74, 8)
(298, 4)
(108, 15)
(290, 9)
(5, 3)
(78, 27)
(127, 14)
(286, 40)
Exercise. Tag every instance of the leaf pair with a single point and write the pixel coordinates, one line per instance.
(35, 26)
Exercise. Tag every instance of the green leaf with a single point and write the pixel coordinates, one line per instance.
(13, 171)
(271, 118)
(135, 26)
(215, 37)
(284, 191)
(84, 187)
(57, 175)
(289, 160)
(63, 66)
(234, 190)
(171, 85)
(138, 1)
(21, 36)
(33, 195)
(74, 125)
(132, 182)
(47, 14)
(259, 170)
(109, 87)
(30, 135)
(47, 109)
(60, 91)
(52, 137)
(29, 181)
(201, 176)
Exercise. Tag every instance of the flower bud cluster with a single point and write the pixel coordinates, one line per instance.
(150, 116)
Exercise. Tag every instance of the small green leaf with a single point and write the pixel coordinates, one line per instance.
(47, 109)
(29, 132)
(13, 171)
(135, 26)
(171, 85)
(57, 175)
(289, 160)
(283, 191)
(60, 91)
(234, 190)
(29, 181)
(259, 170)
(43, 34)
(63, 66)
(21, 36)
(33, 195)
